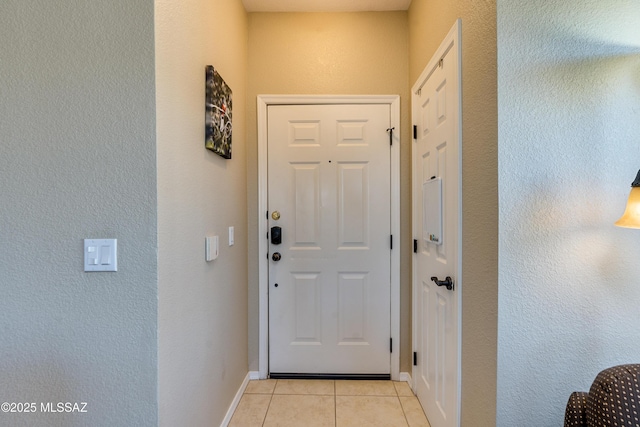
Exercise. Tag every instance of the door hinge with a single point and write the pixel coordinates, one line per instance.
(415, 132)
(415, 358)
(390, 345)
(391, 241)
(415, 246)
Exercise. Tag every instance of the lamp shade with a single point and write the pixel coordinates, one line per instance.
(631, 216)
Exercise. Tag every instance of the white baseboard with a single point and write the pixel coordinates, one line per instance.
(236, 401)
(254, 375)
(406, 377)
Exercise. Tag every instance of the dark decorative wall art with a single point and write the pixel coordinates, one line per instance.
(218, 114)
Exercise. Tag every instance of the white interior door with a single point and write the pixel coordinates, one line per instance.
(437, 219)
(329, 192)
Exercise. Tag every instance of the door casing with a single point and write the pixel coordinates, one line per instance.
(263, 102)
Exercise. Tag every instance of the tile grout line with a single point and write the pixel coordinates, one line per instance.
(335, 405)
(404, 414)
(264, 420)
(403, 411)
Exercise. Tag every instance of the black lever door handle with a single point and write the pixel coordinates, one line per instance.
(446, 282)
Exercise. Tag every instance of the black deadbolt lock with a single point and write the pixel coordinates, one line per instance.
(276, 235)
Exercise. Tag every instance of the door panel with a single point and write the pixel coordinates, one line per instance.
(306, 307)
(436, 159)
(306, 184)
(352, 308)
(353, 205)
(329, 178)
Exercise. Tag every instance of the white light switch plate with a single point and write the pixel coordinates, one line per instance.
(100, 255)
(211, 248)
(232, 238)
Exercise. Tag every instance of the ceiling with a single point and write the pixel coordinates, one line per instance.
(324, 5)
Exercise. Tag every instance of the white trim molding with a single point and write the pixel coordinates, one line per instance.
(236, 401)
(405, 377)
(263, 102)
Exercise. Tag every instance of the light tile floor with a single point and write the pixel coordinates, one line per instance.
(339, 403)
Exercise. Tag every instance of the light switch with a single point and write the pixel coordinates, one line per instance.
(231, 236)
(100, 255)
(211, 248)
(105, 255)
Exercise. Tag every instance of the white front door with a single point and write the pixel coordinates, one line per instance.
(329, 192)
(437, 219)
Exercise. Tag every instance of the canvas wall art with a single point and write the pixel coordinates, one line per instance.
(218, 114)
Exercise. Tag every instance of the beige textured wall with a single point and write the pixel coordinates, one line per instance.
(329, 53)
(202, 313)
(569, 96)
(77, 160)
(429, 23)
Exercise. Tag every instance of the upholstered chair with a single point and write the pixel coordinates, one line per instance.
(612, 401)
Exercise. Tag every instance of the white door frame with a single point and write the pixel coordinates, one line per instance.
(263, 247)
